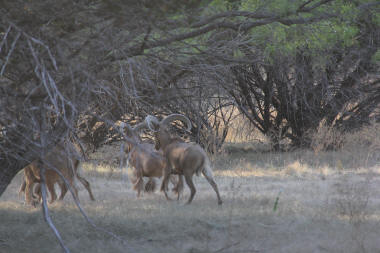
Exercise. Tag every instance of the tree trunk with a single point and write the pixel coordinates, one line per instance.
(9, 167)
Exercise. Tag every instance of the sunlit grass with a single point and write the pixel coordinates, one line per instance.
(321, 207)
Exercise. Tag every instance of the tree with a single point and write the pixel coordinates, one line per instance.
(67, 65)
(72, 69)
(303, 84)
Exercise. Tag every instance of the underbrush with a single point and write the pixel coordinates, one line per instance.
(299, 201)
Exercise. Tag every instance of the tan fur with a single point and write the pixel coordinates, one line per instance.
(37, 195)
(182, 158)
(59, 160)
(145, 162)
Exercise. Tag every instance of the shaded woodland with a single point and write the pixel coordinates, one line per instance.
(73, 69)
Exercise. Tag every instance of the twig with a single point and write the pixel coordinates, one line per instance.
(5, 37)
(226, 247)
(124, 176)
(45, 210)
(84, 213)
(3, 242)
(10, 53)
(47, 49)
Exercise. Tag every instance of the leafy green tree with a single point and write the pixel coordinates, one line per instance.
(306, 75)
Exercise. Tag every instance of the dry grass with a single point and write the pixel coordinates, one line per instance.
(326, 204)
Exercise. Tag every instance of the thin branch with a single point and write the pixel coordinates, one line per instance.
(5, 37)
(303, 7)
(366, 6)
(145, 39)
(10, 53)
(304, 4)
(46, 47)
(226, 247)
(229, 14)
(256, 15)
(88, 219)
(122, 158)
(134, 50)
(45, 210)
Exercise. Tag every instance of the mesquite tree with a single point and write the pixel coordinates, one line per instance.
(71, 69)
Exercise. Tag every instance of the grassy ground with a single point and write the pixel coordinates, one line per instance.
(327, 202)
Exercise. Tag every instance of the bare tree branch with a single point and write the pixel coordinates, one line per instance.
(238, 26)
(45, 210)
(10, 53)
